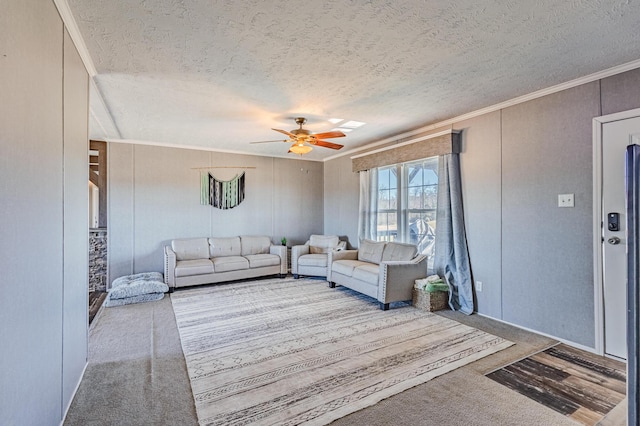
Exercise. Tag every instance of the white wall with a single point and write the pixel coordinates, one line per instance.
(43, 128)
(154, 196)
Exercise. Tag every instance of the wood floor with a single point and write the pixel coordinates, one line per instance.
(95, 301)
(578, 384)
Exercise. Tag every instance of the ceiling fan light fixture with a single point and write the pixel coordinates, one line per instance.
(300, 149)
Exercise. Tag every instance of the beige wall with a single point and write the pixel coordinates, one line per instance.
(154, 196)
(534, 259)
(44, 231)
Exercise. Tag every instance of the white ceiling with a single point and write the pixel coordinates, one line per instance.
(220, 74)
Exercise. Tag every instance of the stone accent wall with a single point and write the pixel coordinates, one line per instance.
(97, 260)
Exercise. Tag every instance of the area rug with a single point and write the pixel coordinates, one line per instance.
(288, 352)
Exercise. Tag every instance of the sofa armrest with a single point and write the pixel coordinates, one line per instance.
(397, 278)
(169, 267)
(282, 252)
(296, 252)
(334, 255)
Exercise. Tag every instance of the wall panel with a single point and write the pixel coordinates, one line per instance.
(76, 219)
(341, 192)
(480, 163)
(620, 92)
(547, 257)
(120, 210)
(166, 202)
(31, 213)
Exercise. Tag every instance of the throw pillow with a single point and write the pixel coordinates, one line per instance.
(319, 250)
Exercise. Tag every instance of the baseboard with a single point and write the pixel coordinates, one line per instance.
(565, 341)
(73, 395)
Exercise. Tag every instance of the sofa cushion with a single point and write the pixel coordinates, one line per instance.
(187, 268)
(229, 263)
(219, 247)
(137, 284)
(255, 245)
(190, 248)
(399, 251)
(371, 251)
(368, 273)
(322, 243)
(260, 260)
(313, 260)
(345, 267)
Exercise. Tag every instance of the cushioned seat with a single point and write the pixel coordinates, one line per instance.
(313, 260)
(137, 288)
(185, 268)
(312, 257)
(346, 267)
(230, 263)
(367, 273)
(260, 260)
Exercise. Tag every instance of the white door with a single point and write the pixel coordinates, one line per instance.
(616, 136)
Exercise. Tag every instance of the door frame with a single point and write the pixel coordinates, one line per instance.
(598, 222)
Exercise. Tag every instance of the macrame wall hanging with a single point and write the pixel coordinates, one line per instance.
(223, 194)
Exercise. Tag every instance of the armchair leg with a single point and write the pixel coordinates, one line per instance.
(384, 306)
(332, 284)
(295, 276)
(171, 289)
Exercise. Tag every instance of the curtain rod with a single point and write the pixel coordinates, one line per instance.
(223, 167)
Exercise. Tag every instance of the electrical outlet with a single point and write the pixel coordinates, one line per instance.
(565, 200)
(479, 286)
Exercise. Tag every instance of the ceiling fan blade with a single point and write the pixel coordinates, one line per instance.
(329, 135)
(327, 144)
(291, 135)
(277, 140)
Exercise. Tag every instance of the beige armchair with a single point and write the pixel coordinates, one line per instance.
(384, 271)
(311, 259)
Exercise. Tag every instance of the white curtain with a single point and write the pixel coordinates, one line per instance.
(451, 254)
(367, 217)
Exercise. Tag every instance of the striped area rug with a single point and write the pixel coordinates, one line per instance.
(288, 352)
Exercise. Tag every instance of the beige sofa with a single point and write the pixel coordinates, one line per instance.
(311, 259)
(384, 271)
(193, 261)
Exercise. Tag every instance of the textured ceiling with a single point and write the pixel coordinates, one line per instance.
(219, 74)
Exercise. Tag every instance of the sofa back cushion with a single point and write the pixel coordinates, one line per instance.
(371, 251)
(221, 247)
(190, 248)
(322, 243)
(399, 251)
(255, 245)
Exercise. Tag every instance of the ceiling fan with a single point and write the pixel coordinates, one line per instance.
(301, 140)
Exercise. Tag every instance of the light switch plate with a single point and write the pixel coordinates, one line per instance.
(565, 200)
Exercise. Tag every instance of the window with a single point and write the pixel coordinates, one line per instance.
(407, 196)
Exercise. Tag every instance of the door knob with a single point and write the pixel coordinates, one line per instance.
(613, 241)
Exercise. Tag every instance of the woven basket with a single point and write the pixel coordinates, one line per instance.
(430, 301)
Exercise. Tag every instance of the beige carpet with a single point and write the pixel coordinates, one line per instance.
(295, 351)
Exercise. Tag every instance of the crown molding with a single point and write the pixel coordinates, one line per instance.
(74, 32)
(502, 105)
(201, 148)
